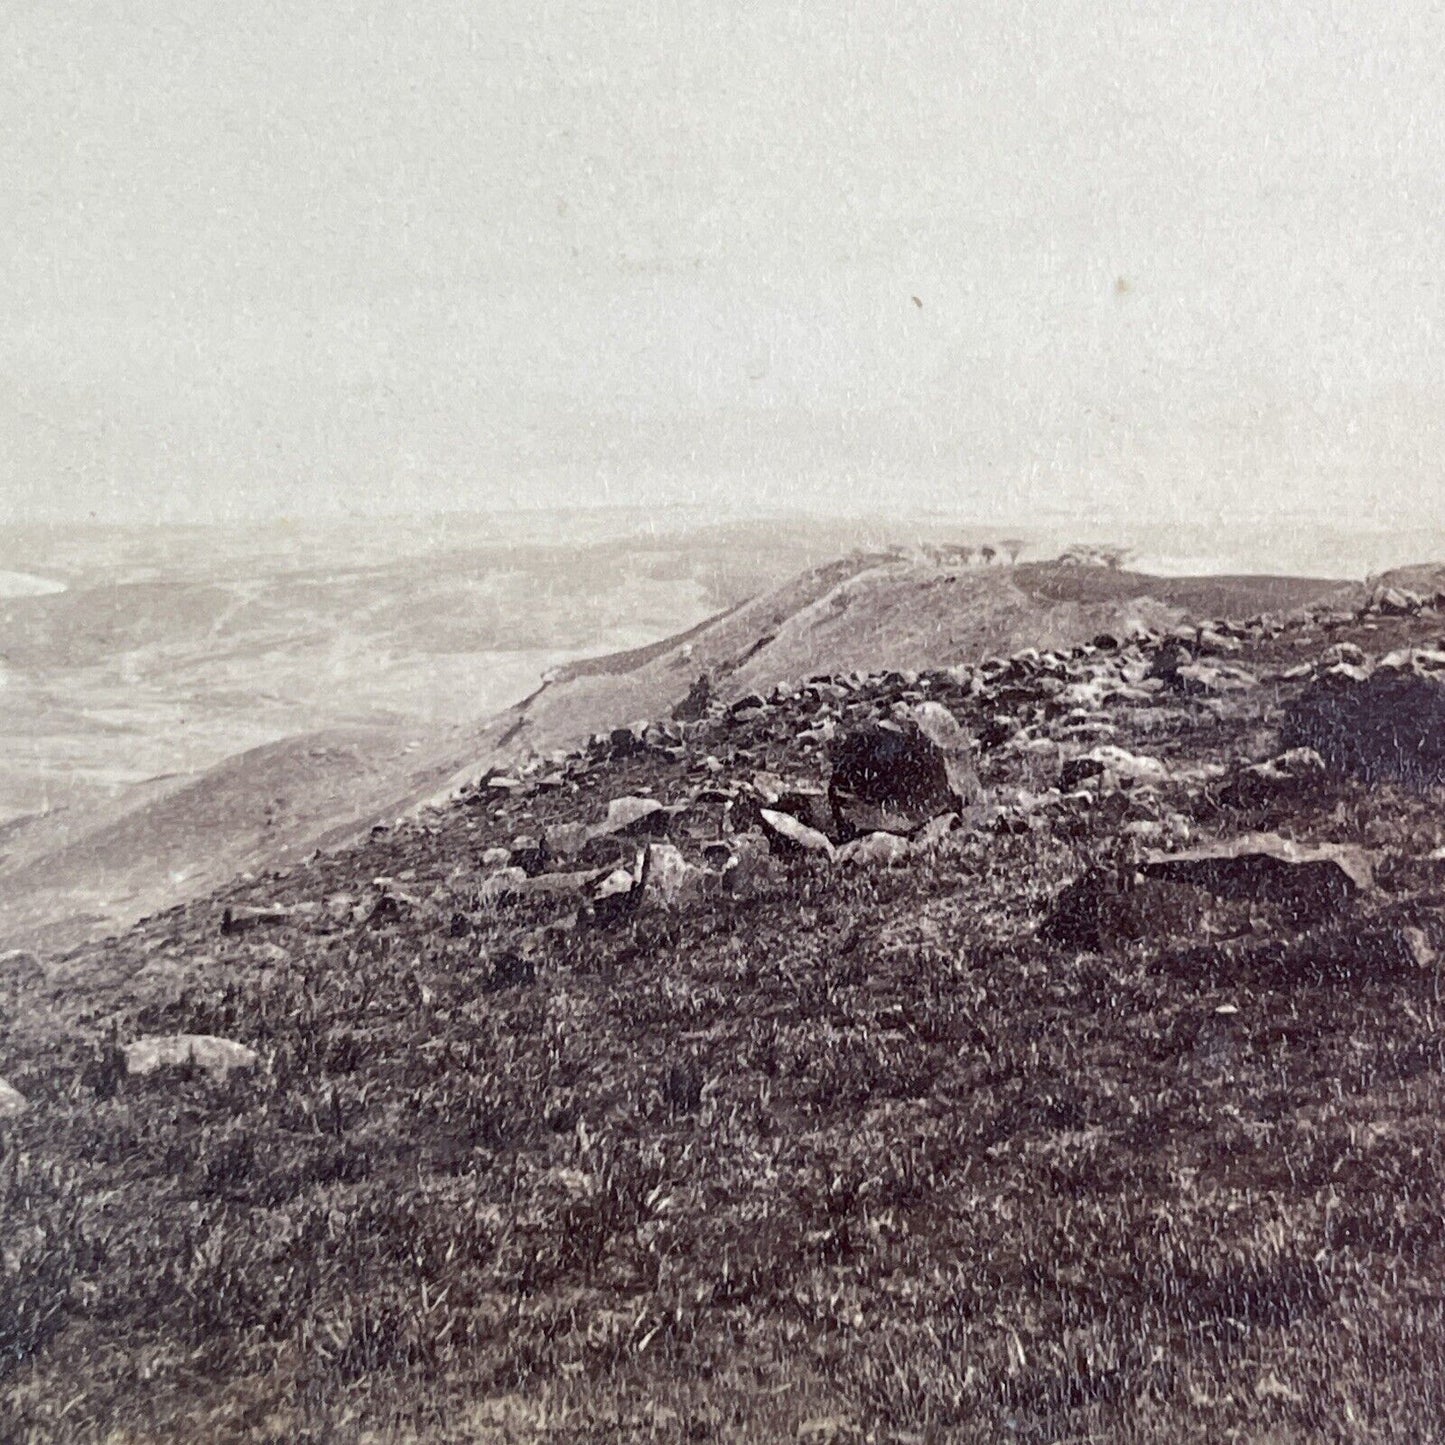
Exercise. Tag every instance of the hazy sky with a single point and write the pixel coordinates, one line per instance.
(1172, 259)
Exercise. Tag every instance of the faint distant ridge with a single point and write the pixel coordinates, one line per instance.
(27, 584)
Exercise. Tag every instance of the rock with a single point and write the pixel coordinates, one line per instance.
(496, 857)
(1292, 775)
(935, 831)
(1387, 727)
(501, 885)
(810, 806)
(694, 707)
(1215, 643)
(788, 837)
(162, 1051)
(1203, 679)
(1396, 602)
(12, 1102)
(1328, 956)
(1422, 660)
(1078, 770)
(1263, 867)
(893, 776)
(1341, 652)
(1133, 767)
(620, 893)
(751, 703)
(627, 742)
(565, 840)
(241, 919)
(821, 732)
(340, 905)
(876, 850)
(671, 879)
(1084, 732)
(636, 818)
(742, 861)
(1168, 660)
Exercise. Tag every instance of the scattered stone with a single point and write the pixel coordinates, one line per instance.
(241, 919)
(787, 836)
(1291, 776)
(213, 1055)
(12, 1102)
(1134, 767)
(1423, 660)
(876, 850)
(1203, 679)
(1078, 770)
(1341, 652)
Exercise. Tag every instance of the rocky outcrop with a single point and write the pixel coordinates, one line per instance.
(897, 774)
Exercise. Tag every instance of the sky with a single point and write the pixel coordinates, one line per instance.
(1095, 258)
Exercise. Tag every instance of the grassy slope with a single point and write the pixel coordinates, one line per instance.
(856, 1153)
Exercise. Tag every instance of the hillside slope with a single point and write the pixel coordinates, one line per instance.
(1107, 1108)
(869, 610)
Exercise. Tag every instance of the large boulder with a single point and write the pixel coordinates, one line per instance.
(893, 776)
(1330, 954)
(1388, 726)
(1265, 868)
